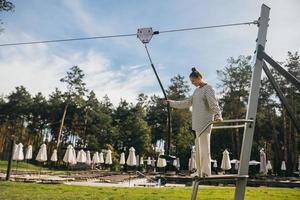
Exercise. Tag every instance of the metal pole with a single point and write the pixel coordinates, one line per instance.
(168, 105)
(10, 158)
(281, 97)
(252, 104)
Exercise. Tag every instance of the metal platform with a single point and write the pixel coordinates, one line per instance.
(220, 177)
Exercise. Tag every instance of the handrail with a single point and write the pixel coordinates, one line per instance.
(226, 121)
(140, 173)
(224, 127)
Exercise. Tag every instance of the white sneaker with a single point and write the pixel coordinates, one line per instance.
(195, 174)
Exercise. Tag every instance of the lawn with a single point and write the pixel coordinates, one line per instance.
(30, 191)
(23, 166)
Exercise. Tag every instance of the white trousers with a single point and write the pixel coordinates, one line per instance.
(203, 160)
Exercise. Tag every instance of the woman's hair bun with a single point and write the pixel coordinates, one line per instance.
(195, 73)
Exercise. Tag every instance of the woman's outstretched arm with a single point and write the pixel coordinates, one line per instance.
(180, 104)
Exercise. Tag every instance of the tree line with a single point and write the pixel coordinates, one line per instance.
(78, 117)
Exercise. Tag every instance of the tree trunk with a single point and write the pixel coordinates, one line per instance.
(285, 127)
(61, 125)
(276, 146)
(233, 144)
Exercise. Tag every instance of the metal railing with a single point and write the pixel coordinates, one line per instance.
(244, 121)
(148, 178)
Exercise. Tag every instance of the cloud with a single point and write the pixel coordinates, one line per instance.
(39, 70)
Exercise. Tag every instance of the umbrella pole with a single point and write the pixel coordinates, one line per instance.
(17, 167)
(129, 177)
(41, 169)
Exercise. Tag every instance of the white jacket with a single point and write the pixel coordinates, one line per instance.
(204, 106)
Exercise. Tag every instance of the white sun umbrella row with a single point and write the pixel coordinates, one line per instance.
(135, 160)
(18, 154)
(264, 165)
(99, 158)
(226, 162)
(132, 160)
(69, 157)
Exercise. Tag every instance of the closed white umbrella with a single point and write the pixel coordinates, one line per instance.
(174, 163)
(74, 162)
(153, 162)
(101, 158)
(178, 163)
(263, 162)
(88, 158)
(81, 156)
(28, 155)
(108, 158)
(42, 154)
(69, 156)
(54, 156)
(269, 166)
(283, 166)
(161, 162)
(225, 165)
(19, 155)
(149, 161)
(15, 152)
(96, 159)
(192, 160)
(122, 159)
(131, 160)
(142, 160)
(215, 165)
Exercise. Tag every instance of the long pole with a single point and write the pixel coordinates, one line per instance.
(168, 105)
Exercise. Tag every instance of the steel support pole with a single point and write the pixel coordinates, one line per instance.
(281, 97)
(282, 71)
(252, 104)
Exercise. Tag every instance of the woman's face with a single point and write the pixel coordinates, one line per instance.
(196, 81)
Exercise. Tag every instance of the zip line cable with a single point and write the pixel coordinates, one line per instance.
(125, 35)
(67, 40)
(207, 27)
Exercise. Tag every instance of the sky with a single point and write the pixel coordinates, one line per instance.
(119, 67)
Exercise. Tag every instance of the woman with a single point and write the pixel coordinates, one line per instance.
(205, 109)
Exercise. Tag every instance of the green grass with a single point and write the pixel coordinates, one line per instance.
(23, 166)
(30, 191)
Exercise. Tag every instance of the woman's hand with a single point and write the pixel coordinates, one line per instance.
(166, 101)
(218, 118)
